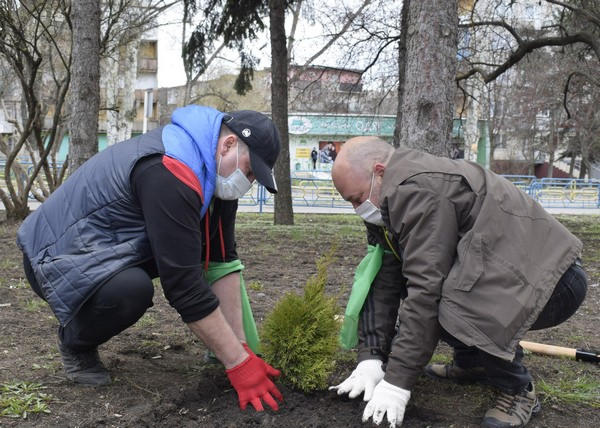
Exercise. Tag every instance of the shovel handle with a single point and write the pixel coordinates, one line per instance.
(560, 351)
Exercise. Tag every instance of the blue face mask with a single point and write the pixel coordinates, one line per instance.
(368, 211)
(233, 186)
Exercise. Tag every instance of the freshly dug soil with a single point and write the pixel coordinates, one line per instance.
(161, 379)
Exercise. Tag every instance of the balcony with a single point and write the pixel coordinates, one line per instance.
(147, 65)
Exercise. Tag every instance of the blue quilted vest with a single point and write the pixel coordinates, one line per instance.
(92, 227)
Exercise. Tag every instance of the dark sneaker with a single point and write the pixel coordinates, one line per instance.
(513, 410)
(84, 367)
(456, 374)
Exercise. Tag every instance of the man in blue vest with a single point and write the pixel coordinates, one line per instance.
(162, 204)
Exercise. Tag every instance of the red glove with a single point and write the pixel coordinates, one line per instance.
(251, 380)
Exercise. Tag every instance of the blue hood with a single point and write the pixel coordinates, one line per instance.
(192, 139)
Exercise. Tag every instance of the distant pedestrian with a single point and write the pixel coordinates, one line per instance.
(332, 153)
(314, 155)
(324, 155)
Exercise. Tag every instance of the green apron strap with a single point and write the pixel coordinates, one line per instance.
(217, 271)
(363, 278)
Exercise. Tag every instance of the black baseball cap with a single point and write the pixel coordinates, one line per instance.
(262, 138)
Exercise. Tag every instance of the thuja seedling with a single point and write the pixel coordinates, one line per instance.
(300, 335)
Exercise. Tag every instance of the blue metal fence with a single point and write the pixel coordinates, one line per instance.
(310, 191)
(315, 189)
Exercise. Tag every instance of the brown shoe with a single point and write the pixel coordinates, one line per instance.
(456, 374)
(513, 410)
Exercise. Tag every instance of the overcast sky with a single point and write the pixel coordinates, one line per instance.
(170, 65)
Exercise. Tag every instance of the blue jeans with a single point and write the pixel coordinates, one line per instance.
(511, 376)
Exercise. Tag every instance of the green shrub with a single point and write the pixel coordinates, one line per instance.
(300, 335)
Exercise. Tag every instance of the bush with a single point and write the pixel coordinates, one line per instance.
(300, 335)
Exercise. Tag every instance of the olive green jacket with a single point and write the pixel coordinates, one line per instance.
(478, 256)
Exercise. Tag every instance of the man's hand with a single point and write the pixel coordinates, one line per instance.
(365, 377)
(389, 399)
(252, 382)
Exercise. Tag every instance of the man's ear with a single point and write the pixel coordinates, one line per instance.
(229, 142)
(379, 169)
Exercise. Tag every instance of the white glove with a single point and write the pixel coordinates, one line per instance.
(389, 399)
(365, 376)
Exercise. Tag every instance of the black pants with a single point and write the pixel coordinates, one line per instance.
(511, 376)
(115, 306)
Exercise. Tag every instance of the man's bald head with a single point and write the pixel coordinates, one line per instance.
(356, 163)
(359, 154)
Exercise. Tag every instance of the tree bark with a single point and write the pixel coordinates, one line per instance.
(127, 109)
(428, 96)
(279, 109)
(111, 85)
(401, 69)
(85, 83)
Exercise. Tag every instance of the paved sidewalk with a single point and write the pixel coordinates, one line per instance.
(343, 210)
(349, 210)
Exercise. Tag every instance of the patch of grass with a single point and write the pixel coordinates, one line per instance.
(34, 305)
(255, 286)
(13, 284)
(9, 264)
(297, 234)
(150, 344)
(21, 283)
(19, 399)
(584, 389)
(352, 230)
(440, 358)
(576, 338)
(147, 320)
(52, 365)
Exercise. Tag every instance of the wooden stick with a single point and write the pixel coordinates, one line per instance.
(560, 351)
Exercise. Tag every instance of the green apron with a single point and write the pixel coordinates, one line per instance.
(363, 278)
(217, 271)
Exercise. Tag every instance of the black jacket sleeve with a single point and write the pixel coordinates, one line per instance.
(171, 211)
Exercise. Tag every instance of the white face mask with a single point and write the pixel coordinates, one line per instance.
(368, 211)
(235, 185)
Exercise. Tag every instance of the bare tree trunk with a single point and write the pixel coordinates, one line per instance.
(111, 85)
(428, 98)
(85, 85)
(127, 111)
(551, 164)
(401, 70)
(279, 110)
(582, 170)
(573, 155)
(572, 166)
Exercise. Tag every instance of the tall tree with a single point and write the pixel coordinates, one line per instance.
(279, 110)
(35, 44)
(428, 81)
(236, 23)
(85, 82)
(401, 69)
(122, 27)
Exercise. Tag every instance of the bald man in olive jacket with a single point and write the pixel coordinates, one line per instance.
(476, 263)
